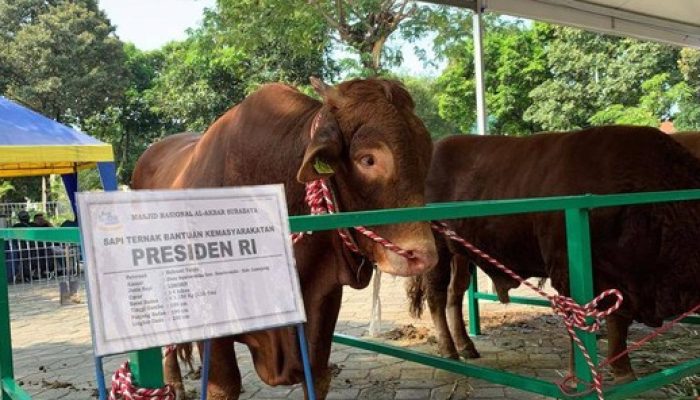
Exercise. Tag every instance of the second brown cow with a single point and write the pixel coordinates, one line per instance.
(649, 252)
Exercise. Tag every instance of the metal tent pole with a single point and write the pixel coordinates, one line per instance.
(477, 32)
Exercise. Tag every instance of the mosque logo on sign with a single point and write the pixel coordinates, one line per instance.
(107, 221)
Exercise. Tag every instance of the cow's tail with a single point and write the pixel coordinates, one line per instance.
(416, 294)
(184, 353)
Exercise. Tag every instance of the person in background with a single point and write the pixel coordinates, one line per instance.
(69, 223)
(23, 217)
(17, 252)
(40, 221)
(42, 255)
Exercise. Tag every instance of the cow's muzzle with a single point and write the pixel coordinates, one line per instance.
(421, 246)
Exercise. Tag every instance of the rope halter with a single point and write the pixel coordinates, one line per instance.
(322, 200)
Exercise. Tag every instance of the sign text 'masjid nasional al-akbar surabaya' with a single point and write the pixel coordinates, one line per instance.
(195, 213)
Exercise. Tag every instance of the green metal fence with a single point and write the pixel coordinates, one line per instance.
(576, 210)
(146, 365)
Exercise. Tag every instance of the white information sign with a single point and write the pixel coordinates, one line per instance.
(177, 266)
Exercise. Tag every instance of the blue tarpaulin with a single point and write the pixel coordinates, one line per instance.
(32, 144)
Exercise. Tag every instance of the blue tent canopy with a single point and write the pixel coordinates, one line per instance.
(32, 144)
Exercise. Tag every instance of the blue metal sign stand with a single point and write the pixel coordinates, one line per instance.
(306, 362)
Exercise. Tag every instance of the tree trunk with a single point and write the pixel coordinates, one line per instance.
(377, 48)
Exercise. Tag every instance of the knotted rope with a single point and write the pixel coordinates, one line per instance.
(574, 314)
(123, 388)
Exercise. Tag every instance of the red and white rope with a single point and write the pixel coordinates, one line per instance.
(123, 388)
(665, 327)
(321, 201)
(169, 350)
(574, 315)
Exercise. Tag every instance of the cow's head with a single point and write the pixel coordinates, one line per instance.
(377, 151)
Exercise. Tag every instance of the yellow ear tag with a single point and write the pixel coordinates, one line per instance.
(322, 167)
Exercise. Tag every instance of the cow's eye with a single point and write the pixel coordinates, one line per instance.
(367, 161)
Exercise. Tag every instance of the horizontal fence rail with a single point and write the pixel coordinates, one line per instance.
(470, 209)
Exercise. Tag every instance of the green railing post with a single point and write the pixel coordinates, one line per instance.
(473, 303)
(6, 369)
(147, 368)
(581, 281)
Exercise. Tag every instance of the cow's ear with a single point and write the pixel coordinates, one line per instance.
(322, 156)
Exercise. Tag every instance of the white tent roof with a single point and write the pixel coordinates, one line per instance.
(675, 22)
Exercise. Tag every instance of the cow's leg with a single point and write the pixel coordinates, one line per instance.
(618, 327)
(459, 282)
(224, 375)
(322, 383)
(438, 280)
(173, 375)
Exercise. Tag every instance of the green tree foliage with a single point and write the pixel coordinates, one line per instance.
(515, 65)
(687, 92)
(241, 44)
(24, 188)
(131, 124)
(591, 73)
(425, 95)
(64, 59)
(364, 27)
(654, 105)
(5, 188)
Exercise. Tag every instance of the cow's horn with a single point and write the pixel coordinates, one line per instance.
(330, 94)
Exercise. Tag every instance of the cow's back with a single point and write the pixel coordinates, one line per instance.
(161, 164)
(634, 247)
(690, 140)
(259, 141)
(597, 160)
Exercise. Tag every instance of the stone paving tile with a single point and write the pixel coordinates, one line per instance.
(412, 394)
(53, 354)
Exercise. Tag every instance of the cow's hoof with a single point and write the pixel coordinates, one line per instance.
(624, 378)
(449, 354)
(468, 354)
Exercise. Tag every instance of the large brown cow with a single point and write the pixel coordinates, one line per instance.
(641, 250)
(376, 152)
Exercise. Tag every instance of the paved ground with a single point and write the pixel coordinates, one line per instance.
(52, 352)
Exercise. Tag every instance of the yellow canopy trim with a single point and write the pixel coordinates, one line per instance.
(53, 154)
(17, 161)
(34, 169)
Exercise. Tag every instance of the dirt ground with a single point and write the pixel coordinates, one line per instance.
(52, 352)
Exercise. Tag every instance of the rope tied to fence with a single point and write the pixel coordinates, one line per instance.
(574, 314)
(124, 388)
(321, 200)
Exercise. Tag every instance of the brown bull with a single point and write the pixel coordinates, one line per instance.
(649, 252)
(366, 139)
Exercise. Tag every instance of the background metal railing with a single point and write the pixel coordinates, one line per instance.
(53, 211)
(35, 262)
